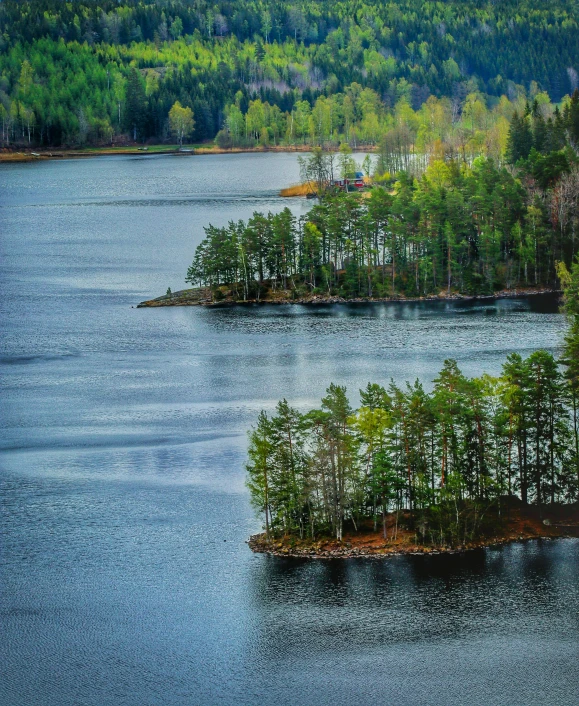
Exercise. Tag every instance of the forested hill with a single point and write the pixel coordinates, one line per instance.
(82, 72)
(518, 41)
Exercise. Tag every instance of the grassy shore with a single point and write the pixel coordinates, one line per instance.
(516, 524)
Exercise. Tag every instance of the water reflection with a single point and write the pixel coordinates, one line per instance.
(543, 303)
(410, 600)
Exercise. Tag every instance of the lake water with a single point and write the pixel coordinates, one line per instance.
(125, 577)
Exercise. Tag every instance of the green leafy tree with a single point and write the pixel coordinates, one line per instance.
(181, 121)
(260, 467)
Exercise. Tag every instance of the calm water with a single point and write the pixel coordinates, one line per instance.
(125, 577)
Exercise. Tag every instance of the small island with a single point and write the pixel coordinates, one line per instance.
(203, 296)
(475, 462)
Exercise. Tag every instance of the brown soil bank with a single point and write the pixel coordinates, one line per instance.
(203, 297)
(517, 524)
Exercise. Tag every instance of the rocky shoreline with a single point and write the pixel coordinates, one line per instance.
(519, 525)
(258, 544)
(202, 297)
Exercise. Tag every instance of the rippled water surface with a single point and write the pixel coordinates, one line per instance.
(125, 577)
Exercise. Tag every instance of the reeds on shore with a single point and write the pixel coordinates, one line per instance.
(304, 189)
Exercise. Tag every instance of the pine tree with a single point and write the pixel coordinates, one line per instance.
(520, 138)
(135, 105)
(516, 375)
(544, 396)
(572, 118)
(260, 466)
(570, 360)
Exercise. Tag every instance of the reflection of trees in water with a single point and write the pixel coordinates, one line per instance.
(347, 605)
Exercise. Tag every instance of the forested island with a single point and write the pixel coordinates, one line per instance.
(475, 461)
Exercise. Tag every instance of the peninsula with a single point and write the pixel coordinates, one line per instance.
(204, 296)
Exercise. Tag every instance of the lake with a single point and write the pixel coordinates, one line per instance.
(125, 576)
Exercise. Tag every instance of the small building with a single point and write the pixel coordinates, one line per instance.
(350, 184)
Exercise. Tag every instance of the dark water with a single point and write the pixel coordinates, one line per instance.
(125, 577)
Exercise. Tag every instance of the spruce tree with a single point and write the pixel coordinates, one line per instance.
(135, 105)
(260, 467)
(520, 138)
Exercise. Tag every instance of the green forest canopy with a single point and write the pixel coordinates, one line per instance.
(447, 456)
(472, 229)
(87, 72)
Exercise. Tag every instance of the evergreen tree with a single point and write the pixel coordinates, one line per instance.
(260, 467)
(520, 138)
(135, 105)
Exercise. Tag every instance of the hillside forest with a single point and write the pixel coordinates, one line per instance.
(288, 73)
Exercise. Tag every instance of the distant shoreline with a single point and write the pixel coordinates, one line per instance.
(45, 155)
(202, 297)
(40, 155)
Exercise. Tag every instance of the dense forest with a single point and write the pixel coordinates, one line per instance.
(449, 456)
(459, 226)
(93, 72)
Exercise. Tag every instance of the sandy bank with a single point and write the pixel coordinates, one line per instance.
(30, 155)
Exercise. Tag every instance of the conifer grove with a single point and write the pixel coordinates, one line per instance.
(452, 456)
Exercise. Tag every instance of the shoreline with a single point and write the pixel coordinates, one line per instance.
(29, 155)
(258, 546)
(519, 525)
(44, 156)
(202, 297)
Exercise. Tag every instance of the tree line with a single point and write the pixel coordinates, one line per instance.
(464, 126)
(463, 228)
(449, 456)
(67, 70)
